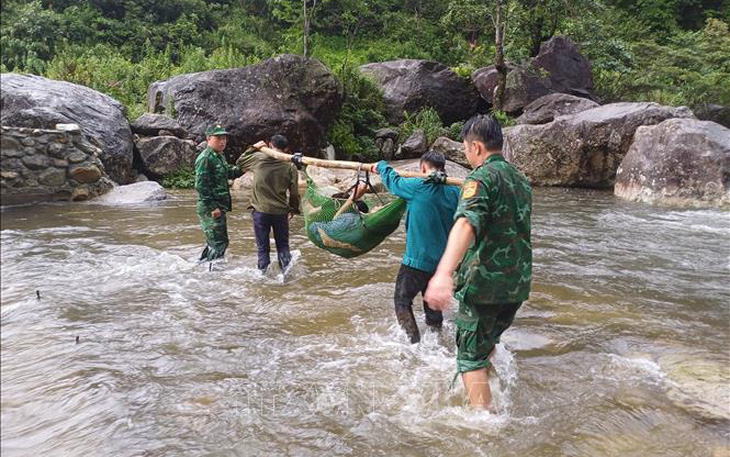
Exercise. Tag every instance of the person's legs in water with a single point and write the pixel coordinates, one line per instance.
(408, 284)
(262, 229)
(216, 236)
(478, 331)
(280, 223)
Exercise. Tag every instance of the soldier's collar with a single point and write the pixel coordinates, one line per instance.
(493, 158)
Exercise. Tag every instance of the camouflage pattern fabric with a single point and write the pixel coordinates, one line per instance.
(478, 331)
(212, 173)
(216, 235)
(211, 181)
(497, 200)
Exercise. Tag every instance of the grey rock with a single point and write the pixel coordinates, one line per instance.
(547, 108)
(27, 141)
(58, 150)
(410, 85)
(584, 149)
(162, 155)
(388, 132)
(569, 71)
(414, 146)
(715, 113)
(76, 157)
(53, 177)
(36, 102)
(134, 194)
(559, 67)
(288, 94)
(679, 162)
(86, 174)
(35, 161)
(150, 124)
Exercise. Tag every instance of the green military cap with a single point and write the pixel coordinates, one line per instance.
(216, 130)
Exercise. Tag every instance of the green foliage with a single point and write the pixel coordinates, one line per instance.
(28, 37)
(184, 178)
(454, 131)
(427, 120)
(362, 112)
(504, 119)
(669, 51)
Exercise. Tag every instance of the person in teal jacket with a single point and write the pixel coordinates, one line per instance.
(431, 205)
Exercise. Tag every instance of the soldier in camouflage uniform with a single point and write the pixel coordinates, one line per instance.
(212, 173)
(489, 248)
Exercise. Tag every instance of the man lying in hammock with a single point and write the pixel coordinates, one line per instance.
(431, 205)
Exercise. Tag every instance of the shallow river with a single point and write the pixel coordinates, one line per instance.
(622, 350)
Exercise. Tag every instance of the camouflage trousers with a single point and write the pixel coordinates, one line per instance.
(478, 328)
(216, 235)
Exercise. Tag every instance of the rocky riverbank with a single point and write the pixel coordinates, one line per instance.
(563, 136)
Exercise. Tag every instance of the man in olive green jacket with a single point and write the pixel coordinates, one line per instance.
(212, 173)
(274, 199)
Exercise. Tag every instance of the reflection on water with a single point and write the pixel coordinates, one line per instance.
(622, 349)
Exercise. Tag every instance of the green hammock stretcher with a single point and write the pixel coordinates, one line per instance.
(352, 233)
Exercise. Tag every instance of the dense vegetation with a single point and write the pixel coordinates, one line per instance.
(670, 51)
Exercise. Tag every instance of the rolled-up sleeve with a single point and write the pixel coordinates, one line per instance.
(474, 205)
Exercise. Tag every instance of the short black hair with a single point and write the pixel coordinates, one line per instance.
(279, 142)
(484, 128)
(434, 159)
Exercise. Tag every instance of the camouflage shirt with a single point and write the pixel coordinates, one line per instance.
(212, 173)
(497, 200)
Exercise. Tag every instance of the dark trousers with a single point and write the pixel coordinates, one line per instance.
(408, 284)
(262, 225)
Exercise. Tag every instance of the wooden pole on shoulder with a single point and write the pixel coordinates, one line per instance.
(342, 164)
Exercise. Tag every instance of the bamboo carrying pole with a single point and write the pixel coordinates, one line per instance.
(343, 164)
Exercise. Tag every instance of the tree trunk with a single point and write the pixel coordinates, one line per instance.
(305, 38)
(500, 22)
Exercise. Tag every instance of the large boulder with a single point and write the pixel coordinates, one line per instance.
(584, 149)
(144, 192)
(546, 109)
(150, 124)
(569, 71)
(288, 94)
(715, 113)
(413, 147)
(410, 85)
(452, 150)
(524, 84)
(36, 102)
(559, 67)
(162, 155)
(679, 162)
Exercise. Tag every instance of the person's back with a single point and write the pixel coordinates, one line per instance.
(429, 216)
(502, 230)
(272, 183)
(274, 199)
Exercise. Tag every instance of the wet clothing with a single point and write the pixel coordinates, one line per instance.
(211, 181)
(429, 216)
(497, 200)
(263, 223)
(478, 329)
(216, 235)
(272, 180)
(494, 277)
(275, 194)
(409, 283)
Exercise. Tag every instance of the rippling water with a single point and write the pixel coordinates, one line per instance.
(622, 349)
